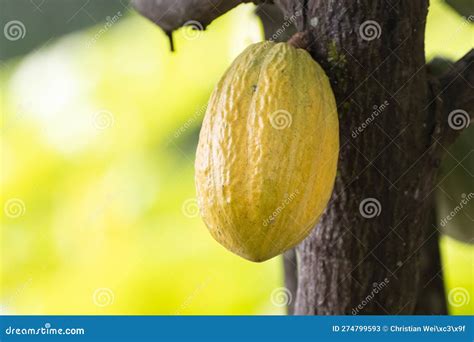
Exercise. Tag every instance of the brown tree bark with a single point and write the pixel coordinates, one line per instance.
(363, 257)
(431, 299)
(394, 160)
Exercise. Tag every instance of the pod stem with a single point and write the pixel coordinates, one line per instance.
(300, 40)
(170, 38)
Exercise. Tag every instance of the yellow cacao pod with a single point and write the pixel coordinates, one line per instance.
(267, 154)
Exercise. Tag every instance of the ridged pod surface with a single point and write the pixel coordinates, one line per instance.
(267, 154)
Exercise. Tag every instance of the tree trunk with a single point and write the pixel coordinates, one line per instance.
(363, 257)
(431, 299)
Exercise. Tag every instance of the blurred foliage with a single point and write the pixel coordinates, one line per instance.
(46, 20)
(449, 37)
(98, 143)
(456, 189)
(99, 129)
(463, 7)
(457, 261)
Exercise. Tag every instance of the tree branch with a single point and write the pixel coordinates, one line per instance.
(171, 15)
(275, 26)
(431, 299)
(350, 256)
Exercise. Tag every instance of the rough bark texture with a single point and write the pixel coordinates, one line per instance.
(171, 15)
(375, 249)
(371, 265)
(348, 253)
(431, 299)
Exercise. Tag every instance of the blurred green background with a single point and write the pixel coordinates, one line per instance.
(99, 126)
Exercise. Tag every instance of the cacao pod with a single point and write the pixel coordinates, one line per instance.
(268, 149)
